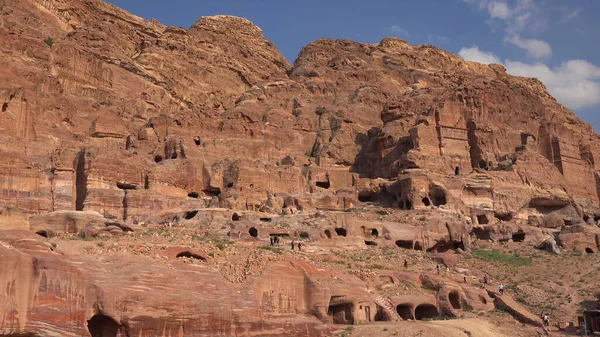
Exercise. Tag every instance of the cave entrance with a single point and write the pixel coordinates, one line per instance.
(406, 205)
(405, 311)
(518, 236)
(189, 254)
(503, 217)
(406, 244)
(481, 233)
(266, 219)
(438, 196)
(42, 233)
(158, 158)
(341, 313)
(235, 217)
(375, 232)
(418, 246)
(589, 250)
(341, 231)
(454, 299)
(194, 195)
(80, 182)
(482, 219)
(328, 233)
(197, 141)
(324, 184)
(212, 192)
(190, 215)
(103, 326)
(253, 232)
(426, 201)
(424, 311)
(366, 197)
(457, 171)
(304, 235)
(370, 243)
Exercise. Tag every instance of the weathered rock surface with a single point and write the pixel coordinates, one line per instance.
(128, 117)
(108, 120)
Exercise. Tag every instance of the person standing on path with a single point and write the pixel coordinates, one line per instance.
(405, 263)
(501, 288)
(294, 244)
(485, 280)
(299, 246)
(439, 268)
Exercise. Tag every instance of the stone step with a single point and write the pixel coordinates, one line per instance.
(388, 308)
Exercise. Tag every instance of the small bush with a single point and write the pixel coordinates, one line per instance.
(49, 41)
(53, 245)
(220, 245)
(422, 218)
(100, 244)
(272, 249)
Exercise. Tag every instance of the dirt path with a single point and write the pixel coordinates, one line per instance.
(449, 328)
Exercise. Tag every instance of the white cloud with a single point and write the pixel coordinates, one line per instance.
(517, 17)
(499, 10)
(397, 29)
(571, 15)
(575, 83)
(535, 48)
(476, 55)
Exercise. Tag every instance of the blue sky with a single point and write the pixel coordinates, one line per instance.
(553, 40)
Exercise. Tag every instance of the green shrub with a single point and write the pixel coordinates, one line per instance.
(496, 256)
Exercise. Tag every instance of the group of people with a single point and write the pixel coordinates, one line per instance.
(275, 241)
(299, 245)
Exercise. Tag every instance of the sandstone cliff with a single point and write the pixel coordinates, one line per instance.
(102, 111)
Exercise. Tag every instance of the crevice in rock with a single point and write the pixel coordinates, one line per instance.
(80, 181)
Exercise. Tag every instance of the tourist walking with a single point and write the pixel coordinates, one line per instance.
(501, 288)
(299, 246)
(439, 268)
(293, 244)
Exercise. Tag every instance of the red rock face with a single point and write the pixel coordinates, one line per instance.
(102, 111)
(125, 117)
